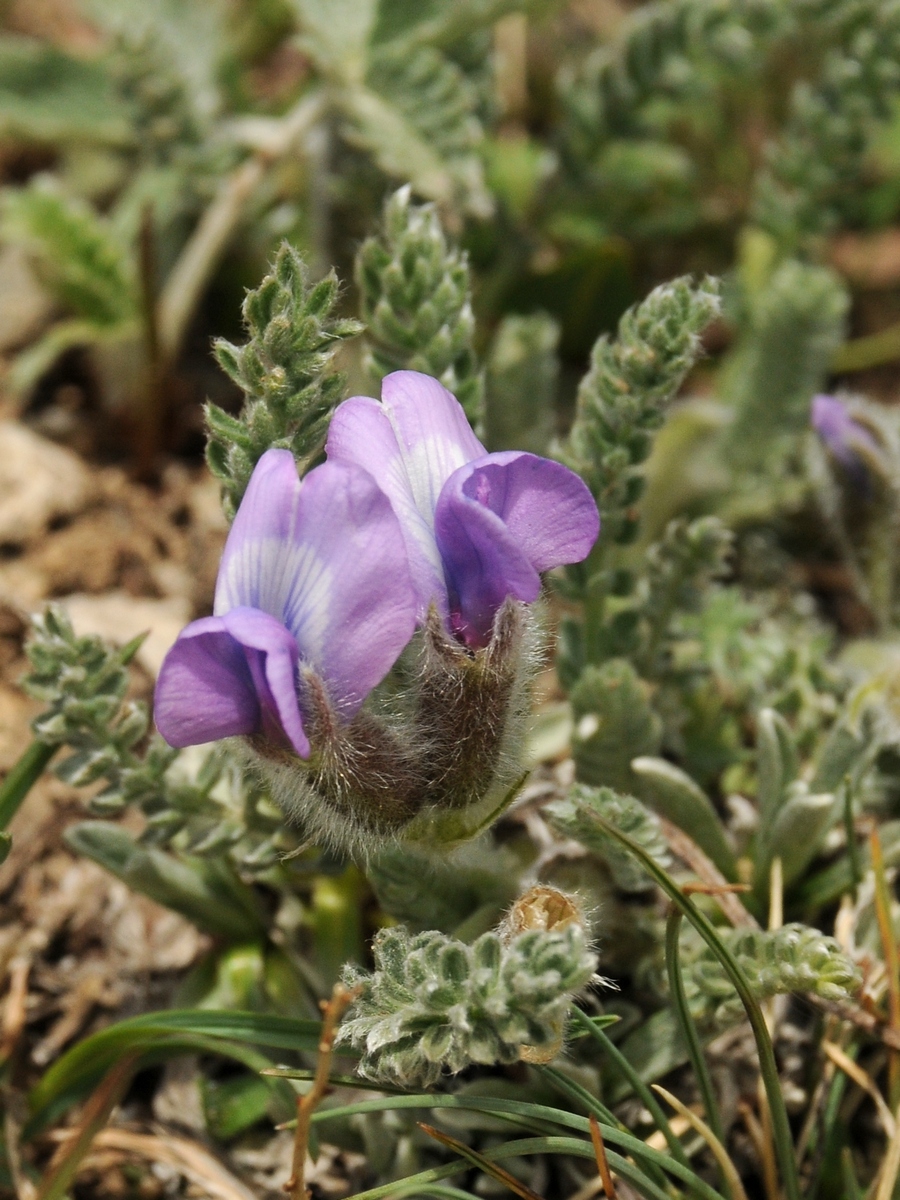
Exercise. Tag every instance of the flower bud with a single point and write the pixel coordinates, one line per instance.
(432, 768)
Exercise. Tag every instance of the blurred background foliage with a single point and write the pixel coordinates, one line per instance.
(155, 154)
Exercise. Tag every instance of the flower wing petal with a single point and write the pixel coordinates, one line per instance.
(352, 604)
(483, 562)
(272, 657)
(257, 563)
(499, 521)
(432, 431)
(547, 508)
(227, 676)
(361, 433)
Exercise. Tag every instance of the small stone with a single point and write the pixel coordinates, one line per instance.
(38, 482)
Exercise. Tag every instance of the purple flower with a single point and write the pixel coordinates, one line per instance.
(847, 439)
(313, 573)
(479, 527)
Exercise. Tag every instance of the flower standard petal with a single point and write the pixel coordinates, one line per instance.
(227, 676)
(499, 521)
(351, 604)
(257, 566)
(361, 433)
(432, 431)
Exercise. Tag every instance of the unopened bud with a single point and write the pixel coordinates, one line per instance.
(432, 768)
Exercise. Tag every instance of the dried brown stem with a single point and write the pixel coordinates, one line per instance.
(332, 1011)
(689, 852)
(891, 959)
(609, 1187)
(216, 227)
(69, 1155)
(14, 1011)
(481, 1161)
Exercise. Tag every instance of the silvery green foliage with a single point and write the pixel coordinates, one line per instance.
(426, 892)
(285, 371)
(81, 260)
(734, 656)
(814, 168)
(166, 60)
(622, 399)
(196, 803)
(439, 106)
(415, 296)
(47, 96)
(522, 375)
(794, 959)
(677, 58)
(83, 682)
(614, 723)
(679, 567)
(653, 56)
(434, 1005)
(575, 817)
(791, 325)
(400, 96)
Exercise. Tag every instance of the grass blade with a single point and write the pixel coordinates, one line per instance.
(726, 1166)
(688, 1026)
(640, 1088)
(22, 777)
(612, 1134)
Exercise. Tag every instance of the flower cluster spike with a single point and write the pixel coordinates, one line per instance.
(622, 399)
(415, 294)
(285, 370)
(791, 329)
(166, 119)
(795, 958)
(679, 566)
(434, 1005)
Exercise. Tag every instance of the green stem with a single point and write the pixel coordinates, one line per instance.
(641, 1090)
(688, 1027)
(870, 351)
(22, 778)
(781, 1128)
(852, 844)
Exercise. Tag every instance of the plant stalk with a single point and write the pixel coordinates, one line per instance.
(781, 1128)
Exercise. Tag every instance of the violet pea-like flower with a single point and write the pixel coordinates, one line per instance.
(846, 438)
(314, 572)
(479, 527)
